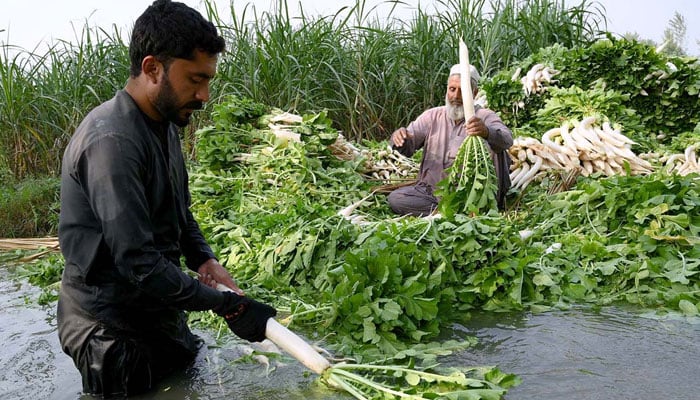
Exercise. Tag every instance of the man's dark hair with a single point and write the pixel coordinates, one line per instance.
(170, 30)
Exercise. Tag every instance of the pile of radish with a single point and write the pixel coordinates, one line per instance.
(385, 165)
(681, 163)
(537, 78)
(588, 145)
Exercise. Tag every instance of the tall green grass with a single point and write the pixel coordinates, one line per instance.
(44, 97)
(29, 208)
(372, 74)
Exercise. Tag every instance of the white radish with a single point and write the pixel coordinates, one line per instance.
(607, 169)
(515, 173)
(580, 141)
(347, 211)
(527, 178)
(516, 75)
(522, 155)
(690, 156)
(548, 140)
(587, 122)
(291, 343)
(568, 141)
(518, 178)
(599, 165)
(465, 77)
(616, 134)
(587, 132)
(587, 168)
(296, 347)
(611, 136)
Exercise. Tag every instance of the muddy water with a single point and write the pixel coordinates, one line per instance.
(581, 354)
(576, 354)
(33, 367)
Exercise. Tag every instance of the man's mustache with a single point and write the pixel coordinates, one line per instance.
(194, 105)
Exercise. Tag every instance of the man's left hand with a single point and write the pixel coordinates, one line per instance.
(211, 273)
(476, 127)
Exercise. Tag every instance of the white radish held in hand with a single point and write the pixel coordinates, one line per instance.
(465, 81)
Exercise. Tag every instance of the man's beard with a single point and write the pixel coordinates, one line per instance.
(454, 111)
(166, 103)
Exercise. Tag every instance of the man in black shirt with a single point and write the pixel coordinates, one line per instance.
(125, 220)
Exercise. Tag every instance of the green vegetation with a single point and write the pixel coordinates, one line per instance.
(379, 286)
(655, 97)
(43, 97)
(29, 208)
(382, 287)
(370, 75)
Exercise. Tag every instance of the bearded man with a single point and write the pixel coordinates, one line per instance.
(125, 221)
(439, 132)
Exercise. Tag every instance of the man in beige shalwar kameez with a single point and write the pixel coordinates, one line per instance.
(440, 131)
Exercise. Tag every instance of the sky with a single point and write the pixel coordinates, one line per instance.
(32, 23)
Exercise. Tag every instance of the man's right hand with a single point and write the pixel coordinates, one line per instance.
(245, 317)
(398, 138)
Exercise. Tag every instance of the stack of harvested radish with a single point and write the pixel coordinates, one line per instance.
(387, 166)
(682, 164)
(537, 78)
(586, 145)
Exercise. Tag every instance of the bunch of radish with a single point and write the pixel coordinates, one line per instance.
(389, 165)
(371, 381)
(682, 163)
(383, 165)
(537, 79)
(471, 182)
(345, 150)
(591, 147)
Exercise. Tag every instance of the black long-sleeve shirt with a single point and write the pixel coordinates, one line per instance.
(125, 221)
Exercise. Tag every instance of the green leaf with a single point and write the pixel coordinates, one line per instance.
(412, 379)
(542, 279)
(369, 334)
(390, 311)
(688, 308)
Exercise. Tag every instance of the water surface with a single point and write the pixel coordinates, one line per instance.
(613, 353)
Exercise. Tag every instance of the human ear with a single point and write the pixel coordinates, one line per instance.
(151, 68)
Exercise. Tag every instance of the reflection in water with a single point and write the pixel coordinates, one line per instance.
(573, 355)
(584, 354)
(33, 366)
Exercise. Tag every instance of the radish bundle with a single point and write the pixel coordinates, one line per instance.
(471, 183)
(537, 79)
(372, 381)
(369, 381)
(382, 165)
(585, 146)
(682, 163)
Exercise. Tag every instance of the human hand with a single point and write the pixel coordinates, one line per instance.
(211, 273)
(399, 136)
(476, 127)
(246, 317)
